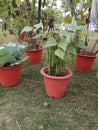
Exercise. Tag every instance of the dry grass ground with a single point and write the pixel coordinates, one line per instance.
(27, 107)
(6, 38)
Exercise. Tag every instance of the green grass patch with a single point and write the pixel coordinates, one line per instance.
(22, 107)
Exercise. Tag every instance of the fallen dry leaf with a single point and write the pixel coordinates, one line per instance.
(45, 104)
(41, 127)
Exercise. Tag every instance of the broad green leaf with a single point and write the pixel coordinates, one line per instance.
(58, 26)
(71, 50)
(88, 1)
(3, 51)
(51, 42)
(26, 29)
(82, 27)
(87, 5)
(7, 59)
(20, 61)
(82, 45)
(67, 32)
(63, 44)
(23, 47)
(37, 26)
(12, 50)
(80, 22)
(67, 19)
(11, 44)
(60, 53)
(69, 26)
(71, 38)
(76, 1)
(17, 50)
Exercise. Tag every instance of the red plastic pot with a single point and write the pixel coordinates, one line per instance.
(55, 87)
(23, 36)
(10, 76)
(34, 56)
(84, 63)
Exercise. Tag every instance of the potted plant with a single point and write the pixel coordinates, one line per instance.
(11, 58)
(34, 48)
(85, 58)
(61, 42)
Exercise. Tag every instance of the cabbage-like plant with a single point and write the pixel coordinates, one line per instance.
(12, 54)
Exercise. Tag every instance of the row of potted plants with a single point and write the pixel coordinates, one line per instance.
(62, 41)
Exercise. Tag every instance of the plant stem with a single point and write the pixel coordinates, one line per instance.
(96, 52)
(94, 45)
(17, 38)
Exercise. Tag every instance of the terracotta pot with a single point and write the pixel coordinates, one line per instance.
(34, 56)
(84, 63)
(10, 76)
(21, 37)
(55, 87)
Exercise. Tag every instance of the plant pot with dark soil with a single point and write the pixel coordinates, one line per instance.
(35, 55)
(11, 58)
(56, 86)
(85, 59)
(60, 44)
(10, 76)
(35, 43)
(24, 36)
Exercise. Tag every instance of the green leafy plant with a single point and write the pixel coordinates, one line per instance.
(36, 35)
(64, 39)
(61, 42)
(17, 14)
(11, 54)
(49, 16)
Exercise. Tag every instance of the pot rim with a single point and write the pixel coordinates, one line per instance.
(69, 73)
(41, 47)
(8, 67)
(87, 55)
